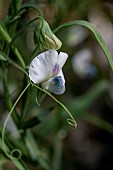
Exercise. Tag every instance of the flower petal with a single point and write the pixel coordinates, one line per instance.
(46, 65)
(62, 57)
(55, 85)
(42, 67)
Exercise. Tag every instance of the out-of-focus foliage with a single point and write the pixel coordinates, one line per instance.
(41, 133)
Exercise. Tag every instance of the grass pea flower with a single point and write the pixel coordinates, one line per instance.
(46, 68)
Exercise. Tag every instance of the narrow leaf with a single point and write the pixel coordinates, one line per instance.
(100, 123)
(82, 103)
(95, 32)
(20, 164)
(3, 56)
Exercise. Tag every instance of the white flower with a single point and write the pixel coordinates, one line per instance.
(46, 69)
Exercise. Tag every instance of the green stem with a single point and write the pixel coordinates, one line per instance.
(4, 34)
(71, 120)
(25, 101)
(17, 66)
(30, 6)
(3, 130)
(25, 26)
(57, 150)
(6, 92)
(8, 39)
(17, 53)
(19, 4)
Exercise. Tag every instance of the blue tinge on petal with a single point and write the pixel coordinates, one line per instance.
(56, 69)
(56, 86)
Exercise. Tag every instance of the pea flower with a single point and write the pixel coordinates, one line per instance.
(46, 68)
(44, 36)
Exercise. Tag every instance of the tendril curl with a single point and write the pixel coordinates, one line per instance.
(10, 155)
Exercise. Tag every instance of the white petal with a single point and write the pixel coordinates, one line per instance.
(55, 85)
(62, 57)
(42, 67)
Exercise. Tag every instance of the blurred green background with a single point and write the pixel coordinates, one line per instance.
(88, 96)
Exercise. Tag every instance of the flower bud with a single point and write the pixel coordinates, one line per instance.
(45, 37)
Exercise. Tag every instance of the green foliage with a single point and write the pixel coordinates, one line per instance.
(35, 124)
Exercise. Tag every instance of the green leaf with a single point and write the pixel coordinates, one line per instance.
(22, 29)
(31, 145)
(82, 103)
(100, 123)
(18, 144)
(35, 152)
(3, 56)
(57, 153)
(95, 32)
(20, 164)
(30, 6)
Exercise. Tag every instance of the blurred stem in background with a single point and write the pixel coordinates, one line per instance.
(8, 99)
